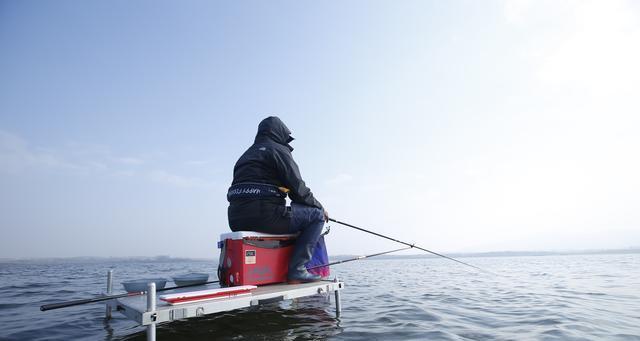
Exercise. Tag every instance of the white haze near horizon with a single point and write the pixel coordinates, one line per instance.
(459, 126)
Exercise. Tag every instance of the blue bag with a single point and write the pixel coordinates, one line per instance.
(319, 257)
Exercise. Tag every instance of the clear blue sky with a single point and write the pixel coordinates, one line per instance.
(459, 125)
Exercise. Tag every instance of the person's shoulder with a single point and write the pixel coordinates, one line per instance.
(278, 148)
(270, 147)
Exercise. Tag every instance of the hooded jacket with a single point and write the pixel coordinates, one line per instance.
(268, 161)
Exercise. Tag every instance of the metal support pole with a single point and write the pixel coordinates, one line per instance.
(109, 292)
(338, 302)
(151, 307)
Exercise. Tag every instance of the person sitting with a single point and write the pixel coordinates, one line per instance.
(262, 178)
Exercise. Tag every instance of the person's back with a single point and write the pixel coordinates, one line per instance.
(258, 165)
(262, 178)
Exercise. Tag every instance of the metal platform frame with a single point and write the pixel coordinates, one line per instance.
(146, 311)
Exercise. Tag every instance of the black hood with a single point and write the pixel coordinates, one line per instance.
(274, 129)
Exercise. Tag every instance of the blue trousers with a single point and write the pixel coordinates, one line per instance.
(307, 220)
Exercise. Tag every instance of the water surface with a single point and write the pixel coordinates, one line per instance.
(579, 297)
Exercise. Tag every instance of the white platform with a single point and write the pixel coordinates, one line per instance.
(136, 307)
(245, 234)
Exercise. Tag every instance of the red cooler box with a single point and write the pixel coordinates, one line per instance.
(253, 258)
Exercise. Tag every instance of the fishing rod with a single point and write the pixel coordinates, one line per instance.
(405, 243)
(409, 246)
(106, 298)
(357, 258)
(53, 306)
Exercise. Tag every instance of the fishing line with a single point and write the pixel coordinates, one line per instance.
(357, 258)
(106, 298)
(410, 245)
(53, 306)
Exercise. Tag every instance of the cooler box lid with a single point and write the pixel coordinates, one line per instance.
(251, 234)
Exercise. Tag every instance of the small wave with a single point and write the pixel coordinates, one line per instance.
(543, 322)
(629, 337)
(539, 274)
(10, 305)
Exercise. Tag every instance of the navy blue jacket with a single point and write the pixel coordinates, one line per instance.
(268, 161)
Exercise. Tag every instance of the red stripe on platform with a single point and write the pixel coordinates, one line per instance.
(206, 296)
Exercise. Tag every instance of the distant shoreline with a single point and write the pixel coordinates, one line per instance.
(633, 250)
(168, 259)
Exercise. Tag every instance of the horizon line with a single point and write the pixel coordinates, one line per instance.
(505, 253)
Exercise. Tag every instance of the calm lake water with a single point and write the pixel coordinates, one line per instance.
(580, 297)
